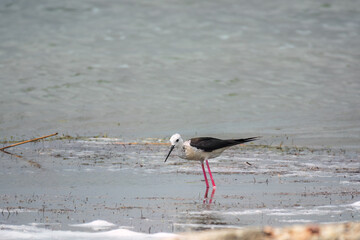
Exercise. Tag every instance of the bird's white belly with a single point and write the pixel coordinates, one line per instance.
(194, 154)
(190, 153)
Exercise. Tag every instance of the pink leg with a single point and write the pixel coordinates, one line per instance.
(212, 180)
(206, 181)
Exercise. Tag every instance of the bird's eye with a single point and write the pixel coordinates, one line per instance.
(177, 140)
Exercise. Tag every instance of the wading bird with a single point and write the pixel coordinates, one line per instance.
(203, 148)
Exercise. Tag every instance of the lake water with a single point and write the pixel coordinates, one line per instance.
(134, 70)
(139, 69)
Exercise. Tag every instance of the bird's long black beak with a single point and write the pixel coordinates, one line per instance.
(172, 148)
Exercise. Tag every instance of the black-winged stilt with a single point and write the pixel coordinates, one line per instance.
(203, 148)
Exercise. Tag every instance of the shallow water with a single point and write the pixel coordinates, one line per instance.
(97, 187)
(287, 71)
(149, 69)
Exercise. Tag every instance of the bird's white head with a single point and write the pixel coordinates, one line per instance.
(176, 141)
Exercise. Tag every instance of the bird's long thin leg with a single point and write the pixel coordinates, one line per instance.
(206, 181)
(212, 179)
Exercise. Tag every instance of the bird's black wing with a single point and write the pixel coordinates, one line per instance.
(209, 144)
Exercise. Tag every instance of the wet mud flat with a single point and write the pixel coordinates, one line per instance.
(66, 184)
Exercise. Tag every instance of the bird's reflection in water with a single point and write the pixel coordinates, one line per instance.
(206, 199)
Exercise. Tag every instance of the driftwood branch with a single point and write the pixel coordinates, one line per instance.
(27, 141)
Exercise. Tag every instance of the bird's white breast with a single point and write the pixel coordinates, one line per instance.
(187, 152)
(191, 153)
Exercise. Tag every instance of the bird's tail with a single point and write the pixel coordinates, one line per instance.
(244, 140)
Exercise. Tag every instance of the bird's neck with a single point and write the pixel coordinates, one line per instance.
(180, 150)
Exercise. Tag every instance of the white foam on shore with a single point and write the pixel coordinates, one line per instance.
(355, 205)
(95, 225)
(11, 232)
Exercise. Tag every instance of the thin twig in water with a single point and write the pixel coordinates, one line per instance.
(27, 141)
